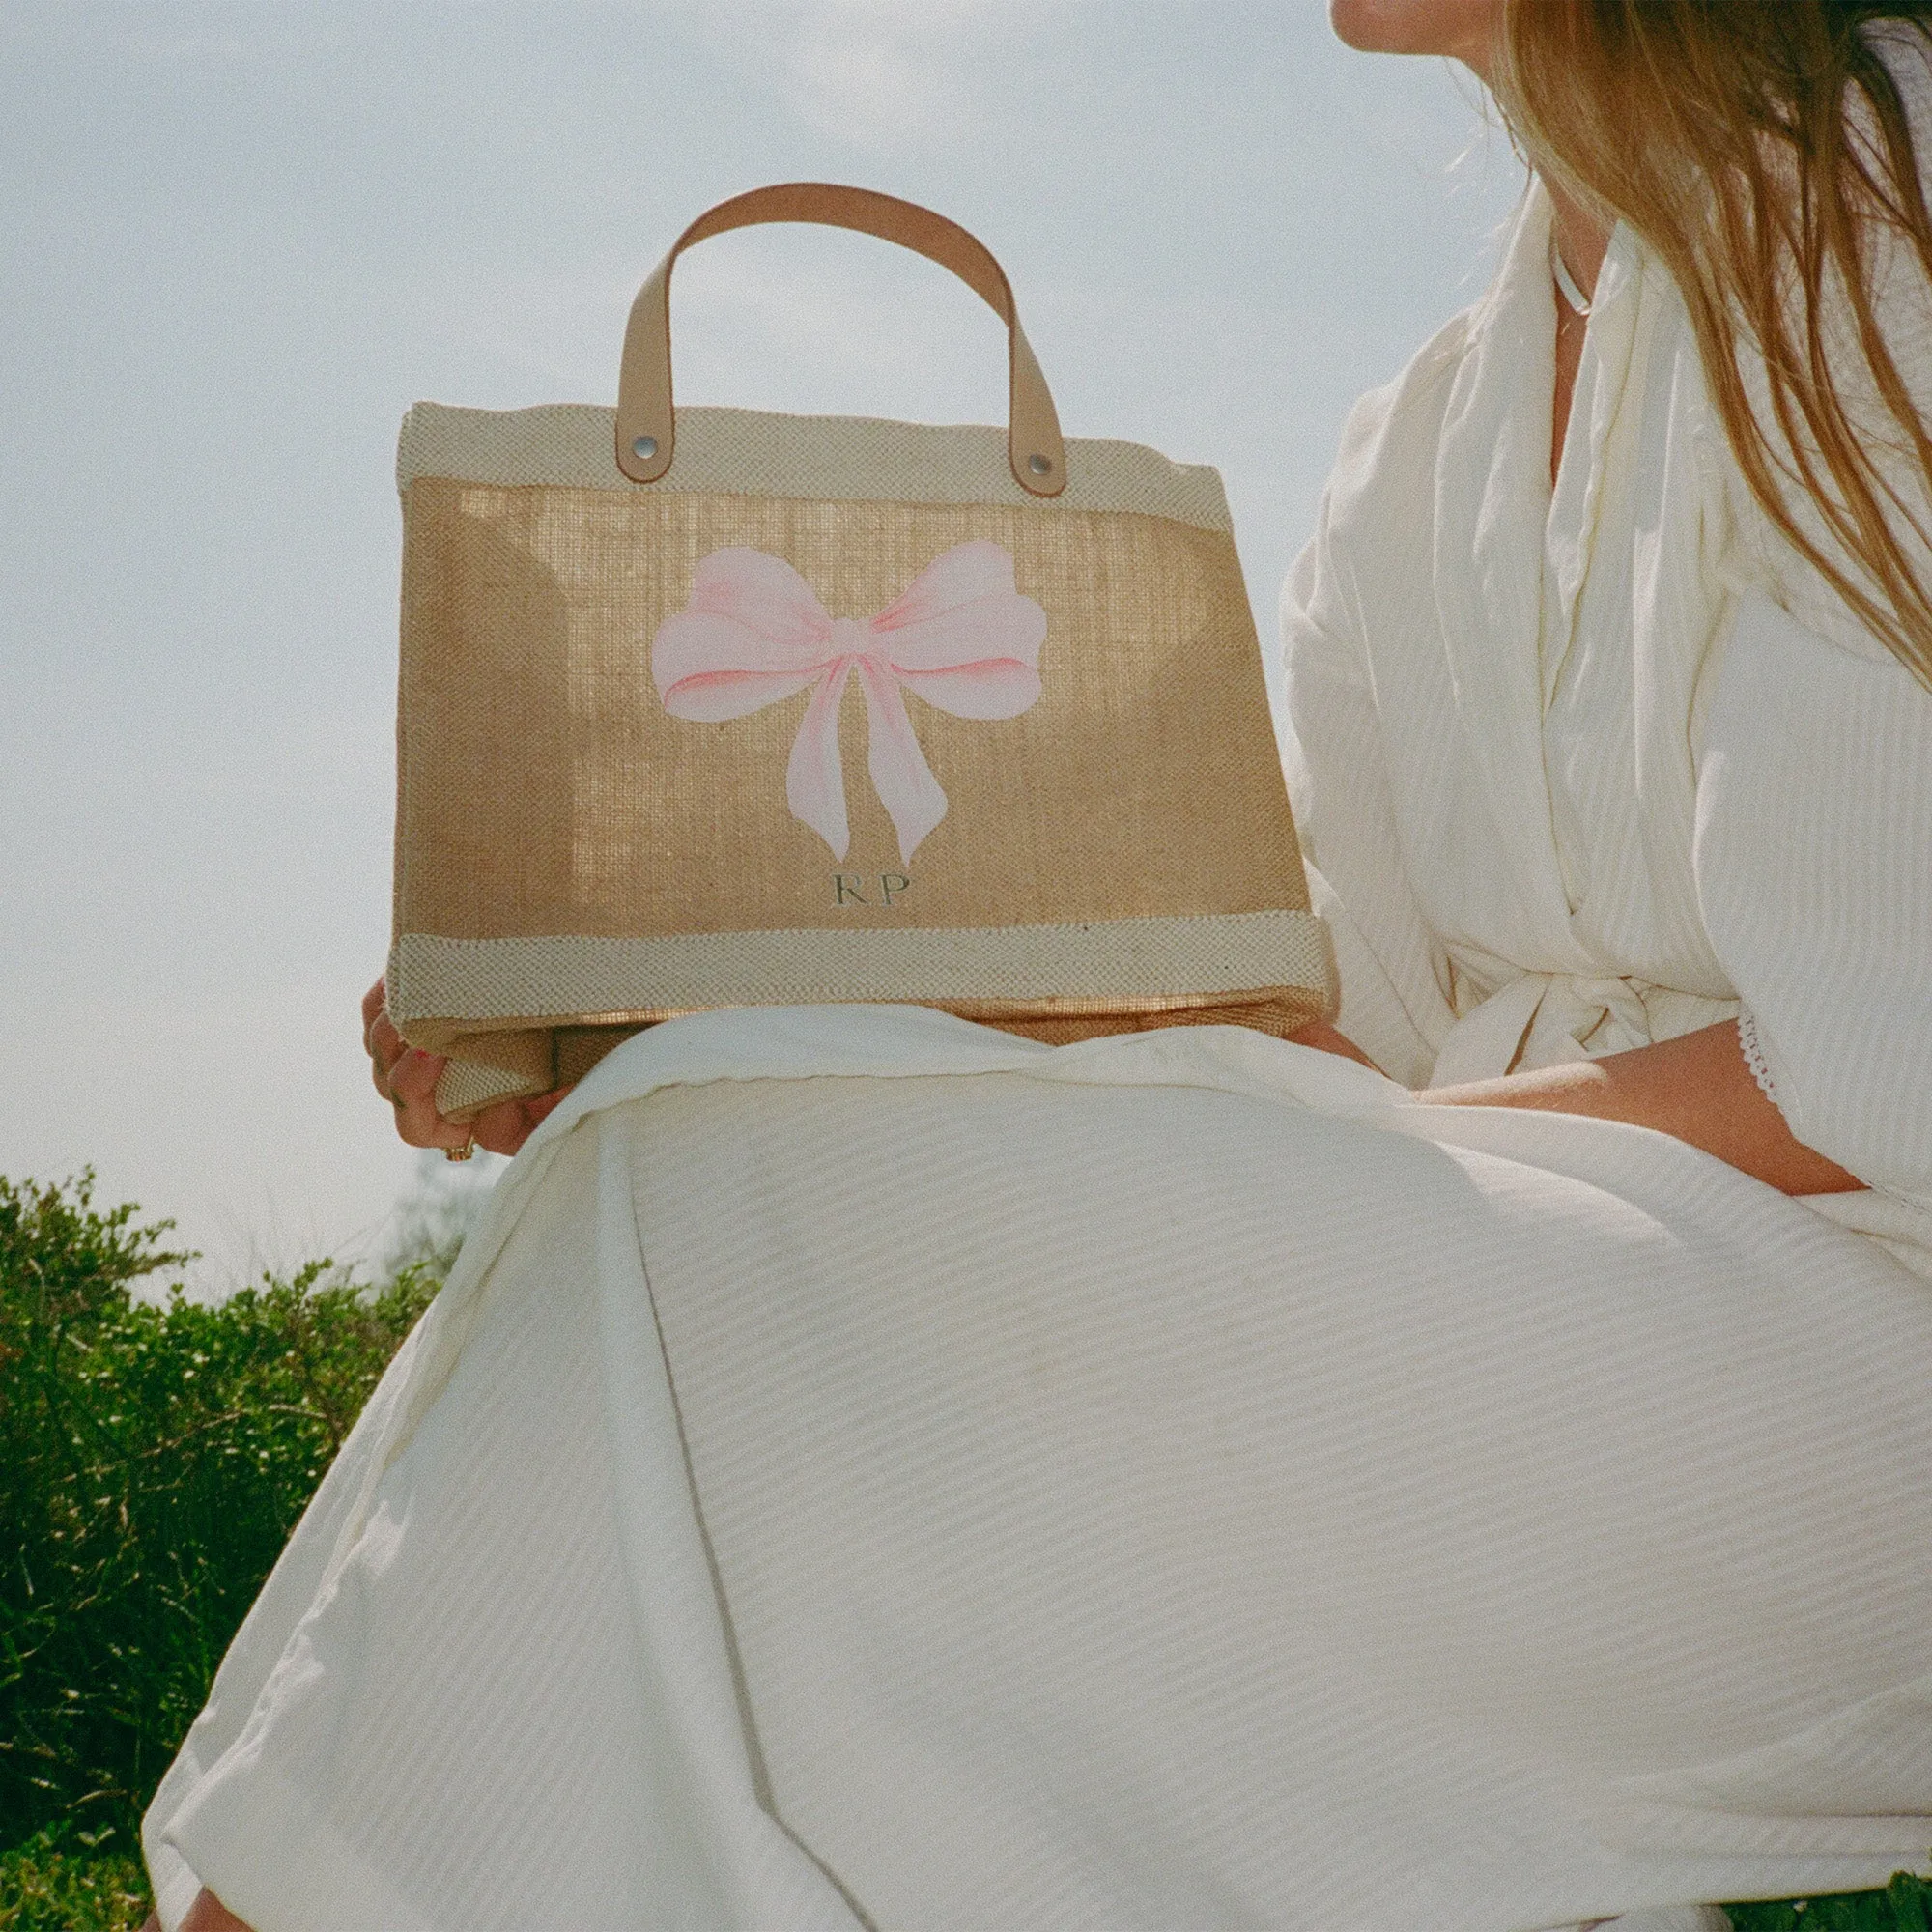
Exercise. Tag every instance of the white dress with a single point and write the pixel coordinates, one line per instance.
(869, 1470)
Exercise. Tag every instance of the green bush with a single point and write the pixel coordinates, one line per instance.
(154, 1456)
(67, 1881)
(1904, 1906)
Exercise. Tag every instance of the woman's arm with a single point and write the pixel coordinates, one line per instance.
(1336, 758)
(1695, 1087)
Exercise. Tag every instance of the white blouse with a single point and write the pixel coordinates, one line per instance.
(1583, 769)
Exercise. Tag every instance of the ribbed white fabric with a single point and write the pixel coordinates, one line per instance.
(1106, 1523)
(1573, 777)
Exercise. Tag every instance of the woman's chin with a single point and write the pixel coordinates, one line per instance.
(1450, 27)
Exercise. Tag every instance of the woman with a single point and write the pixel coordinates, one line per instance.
(867, 1473)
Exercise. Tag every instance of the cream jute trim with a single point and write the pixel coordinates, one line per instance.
(544, 979)
(467, 1088)
(830, 459)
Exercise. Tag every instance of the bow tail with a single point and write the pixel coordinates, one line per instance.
(814, 777)
(903, 779)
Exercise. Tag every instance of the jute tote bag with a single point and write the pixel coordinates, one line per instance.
(636, 779)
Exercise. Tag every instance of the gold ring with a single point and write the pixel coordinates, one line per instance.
(463, 1153)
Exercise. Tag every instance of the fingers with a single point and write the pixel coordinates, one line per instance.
(372, 1005)
(501, 1128)
(381, 1040)
(411, 1085)
(406, 1076)
(537, 1108)
(385, 1047)
(504, 1127)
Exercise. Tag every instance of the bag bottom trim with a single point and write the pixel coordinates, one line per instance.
(440, 984)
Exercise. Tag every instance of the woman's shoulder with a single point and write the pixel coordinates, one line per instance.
(1391, 435)
(1761, 557)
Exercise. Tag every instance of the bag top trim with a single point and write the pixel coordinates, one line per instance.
(834, 458)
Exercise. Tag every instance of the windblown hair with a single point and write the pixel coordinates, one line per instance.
(1762, 151)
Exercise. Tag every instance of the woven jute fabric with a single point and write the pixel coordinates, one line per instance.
(837, 459)
(574, 859)
(1105, 959)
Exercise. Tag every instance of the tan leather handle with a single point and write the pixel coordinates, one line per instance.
(647, 427)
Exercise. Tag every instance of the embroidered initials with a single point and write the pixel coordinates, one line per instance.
(851, 888)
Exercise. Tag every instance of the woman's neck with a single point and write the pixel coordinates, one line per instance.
(1583, 241)
(1470, 31)
(1580, 237)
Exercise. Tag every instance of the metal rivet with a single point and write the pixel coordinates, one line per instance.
(645, 448)
(1040, 465)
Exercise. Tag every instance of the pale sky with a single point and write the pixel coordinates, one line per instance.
(240, 240)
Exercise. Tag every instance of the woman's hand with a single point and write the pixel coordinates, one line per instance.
(406, 1077)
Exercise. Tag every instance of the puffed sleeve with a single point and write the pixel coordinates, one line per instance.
(1392, 971)
(1814, 872)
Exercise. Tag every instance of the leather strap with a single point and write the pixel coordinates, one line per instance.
(646, 420)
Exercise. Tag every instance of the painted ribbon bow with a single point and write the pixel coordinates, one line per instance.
(961, 638)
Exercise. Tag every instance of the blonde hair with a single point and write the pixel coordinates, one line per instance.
(1760, 148)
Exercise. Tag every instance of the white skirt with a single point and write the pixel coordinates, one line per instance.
(873, 1471)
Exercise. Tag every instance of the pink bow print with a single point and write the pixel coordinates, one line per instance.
(961, 638)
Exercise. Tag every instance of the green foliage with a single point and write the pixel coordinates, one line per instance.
(153, 1458)
(1905, 1905)
(64, 1880)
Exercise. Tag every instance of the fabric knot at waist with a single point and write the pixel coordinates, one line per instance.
(1550, 1019)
